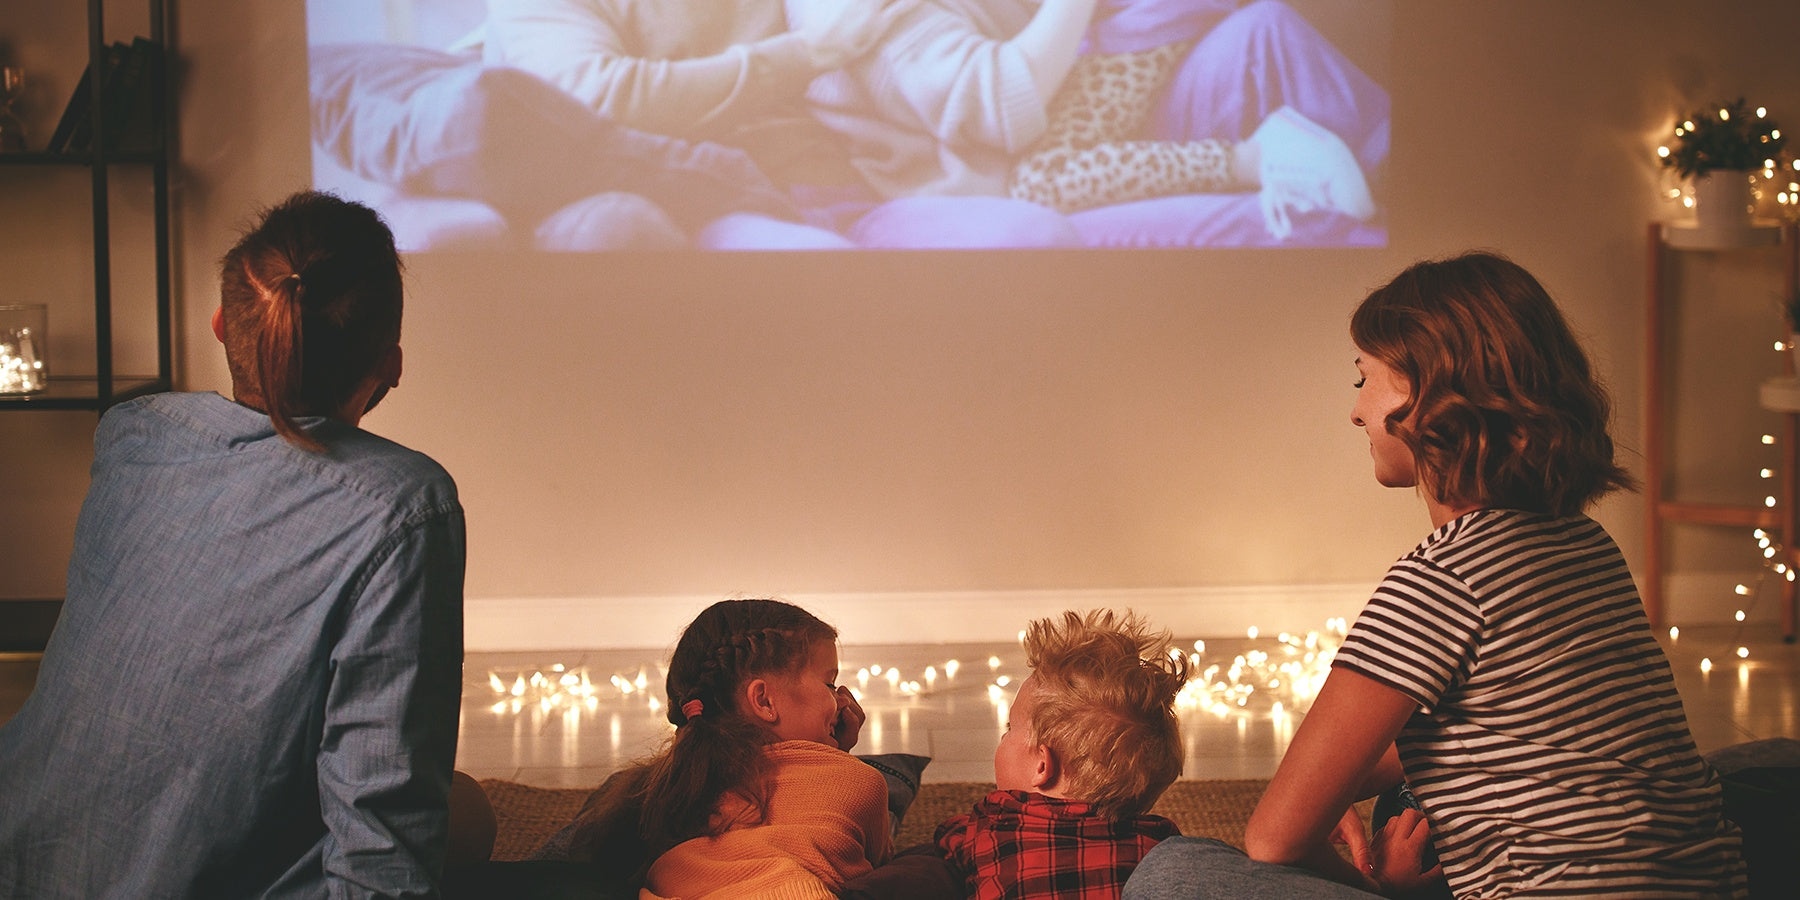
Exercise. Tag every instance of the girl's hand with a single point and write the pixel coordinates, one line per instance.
(1399, 852)
(850, 719)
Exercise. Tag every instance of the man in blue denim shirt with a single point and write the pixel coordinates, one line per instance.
(254, 685)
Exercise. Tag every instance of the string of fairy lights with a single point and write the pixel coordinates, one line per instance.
(1777, 179)
(1276, 676)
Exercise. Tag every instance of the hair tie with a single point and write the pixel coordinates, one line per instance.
(693, 708)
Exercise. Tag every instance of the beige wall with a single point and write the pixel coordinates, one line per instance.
(1021, 429)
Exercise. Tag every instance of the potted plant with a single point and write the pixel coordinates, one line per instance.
(1717, 148)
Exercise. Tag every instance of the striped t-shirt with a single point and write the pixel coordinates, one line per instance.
(1550, 752)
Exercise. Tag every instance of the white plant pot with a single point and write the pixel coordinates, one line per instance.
(1722, 201)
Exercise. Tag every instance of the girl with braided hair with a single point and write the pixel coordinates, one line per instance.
(756, 794)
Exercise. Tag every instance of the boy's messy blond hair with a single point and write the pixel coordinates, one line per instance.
(1106, 689)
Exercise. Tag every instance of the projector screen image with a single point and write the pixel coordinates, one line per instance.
(604, 125)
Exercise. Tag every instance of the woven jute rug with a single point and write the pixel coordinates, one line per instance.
(1218, 809)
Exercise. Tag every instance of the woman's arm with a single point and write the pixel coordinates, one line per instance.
(1052, 40)
(1343, 750)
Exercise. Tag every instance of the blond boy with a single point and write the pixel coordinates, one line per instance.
(1091, 743)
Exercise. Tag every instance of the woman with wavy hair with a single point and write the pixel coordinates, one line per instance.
(1504, 668)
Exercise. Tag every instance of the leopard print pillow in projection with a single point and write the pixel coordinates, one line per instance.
(818, 124)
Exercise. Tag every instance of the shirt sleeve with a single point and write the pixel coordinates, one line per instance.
(954, 836)
(389, 735)
(1417, 634)
(965, 88)
(577, 46)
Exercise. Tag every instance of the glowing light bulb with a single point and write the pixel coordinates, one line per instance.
(1743, 652)
(993, 662)
(1706, 664)
(1768, 439)
(1674, 633)
(1252, 631)
(1739, 615)
(1662, 152)
(950, 668)
(1741, 591)
(1770, 473)
(1724, 115)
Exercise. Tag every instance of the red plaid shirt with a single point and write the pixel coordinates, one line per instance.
(1017, 845)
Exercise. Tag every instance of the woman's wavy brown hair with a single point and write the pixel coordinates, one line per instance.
(312, 300)
(1503, 407)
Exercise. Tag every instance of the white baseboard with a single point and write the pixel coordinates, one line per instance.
(949, 617)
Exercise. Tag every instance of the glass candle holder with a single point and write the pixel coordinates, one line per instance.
(23, 345)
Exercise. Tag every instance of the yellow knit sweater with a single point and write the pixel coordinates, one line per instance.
(827, 823)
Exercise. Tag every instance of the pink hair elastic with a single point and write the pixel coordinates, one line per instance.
(693, 708)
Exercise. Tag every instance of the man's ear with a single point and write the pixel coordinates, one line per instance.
(218, 323)
(758, 702)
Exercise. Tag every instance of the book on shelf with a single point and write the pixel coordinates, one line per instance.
(130, 124)
(130, 75)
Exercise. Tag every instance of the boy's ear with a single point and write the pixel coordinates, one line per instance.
(1046, 769)
(758, 701)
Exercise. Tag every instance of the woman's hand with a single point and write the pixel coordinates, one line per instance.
(836, 31)
(850, 719)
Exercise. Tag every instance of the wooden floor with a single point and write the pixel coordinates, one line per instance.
(547, 732)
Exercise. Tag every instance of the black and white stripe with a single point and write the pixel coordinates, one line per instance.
(1550, 752)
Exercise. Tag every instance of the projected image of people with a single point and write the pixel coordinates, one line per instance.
(596, 125)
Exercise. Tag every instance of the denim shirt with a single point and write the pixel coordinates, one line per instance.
(254, 685)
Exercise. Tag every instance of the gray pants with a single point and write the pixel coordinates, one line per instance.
(1191, 868)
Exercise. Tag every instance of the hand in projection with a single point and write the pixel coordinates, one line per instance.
(837, 32)
(849, 721)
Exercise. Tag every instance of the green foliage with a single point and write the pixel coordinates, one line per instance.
(1730, 137)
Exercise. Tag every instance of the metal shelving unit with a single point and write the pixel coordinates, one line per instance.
(106, 386)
